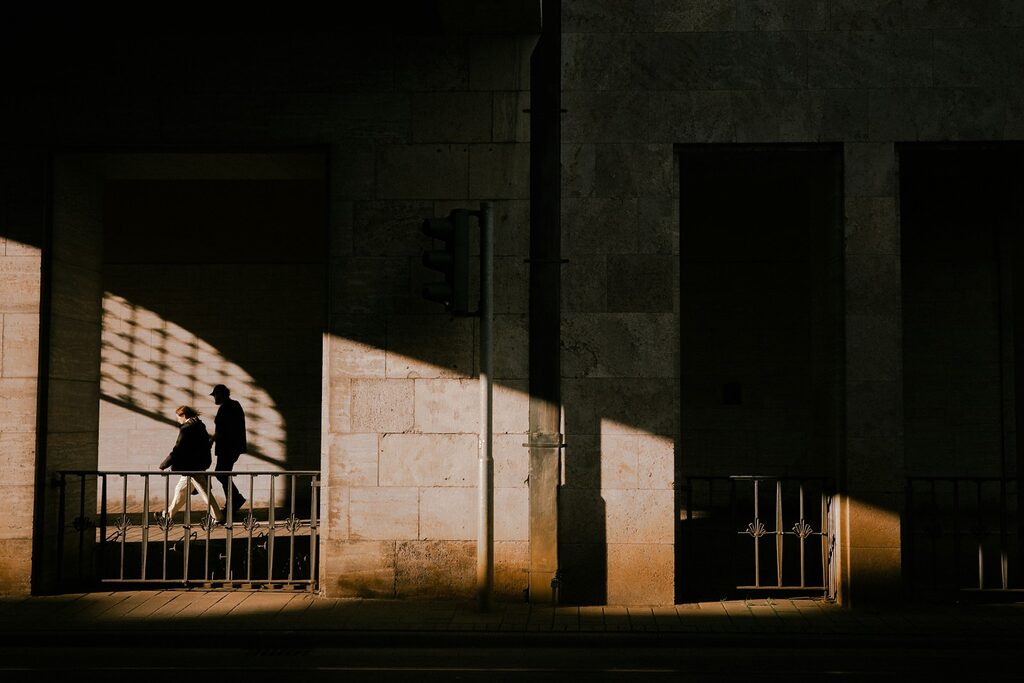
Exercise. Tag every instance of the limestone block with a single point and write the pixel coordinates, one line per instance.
(382, 405)
(148, 447)
(383, 513)
(499, 170)
(511, 119)
(429, 346)
(511, 460)
(639, 516)
(870, 169)
(17, 457)
(447, 405)
(582, 462)
(875, 464)
(511, 406)
(448, 513)
(77, 293)
(357, 348)
(435, 569)
(339, 408)
(369, 285)
(422, 171)
(619, 345)
(722, 61)
(578, 170)
(601, 61)
(702, 116)
(511, 566)
(598, 226)
(500, 62)
(641, 574)
(18, 404)
(112, 450)
(635, 171)
(656, 462)
(74, 348)
(363, 569)
(585, 284)
(353, 168)
(390, 228)
(352, 460)
(341, 219)
(78, 451)
(451, 117)
(19, 284)
(873, 347)
(511, 286)
(594, 16)
(511, 227)
(335, 517)
(511, 514)
(658, 225)
(872, 226)
(873, 576)
(428, 459)
(782, 15)
(873, 408)
(972, 58)
(869, 59)
(868, 15)
(711, 15)
(872, 284)
(20, 352)
(642, 282)
(16, 567)
(423, 63)
(511, 348)
(619, 455)
(621, 405)
(599, 116)
(16, 522)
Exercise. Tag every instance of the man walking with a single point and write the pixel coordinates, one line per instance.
(229, 442)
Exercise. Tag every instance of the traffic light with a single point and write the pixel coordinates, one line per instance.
(452, 260)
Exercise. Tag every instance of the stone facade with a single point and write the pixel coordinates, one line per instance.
(412, 122)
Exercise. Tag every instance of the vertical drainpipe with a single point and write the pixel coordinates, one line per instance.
(545, 436)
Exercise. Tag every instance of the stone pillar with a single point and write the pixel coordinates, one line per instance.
(871, 474)
(21, 231)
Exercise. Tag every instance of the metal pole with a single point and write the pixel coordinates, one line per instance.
(485, 520)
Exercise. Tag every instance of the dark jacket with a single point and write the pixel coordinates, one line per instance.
(192, 449)
(229, 429)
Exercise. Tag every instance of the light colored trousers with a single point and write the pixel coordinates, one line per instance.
(183, 489)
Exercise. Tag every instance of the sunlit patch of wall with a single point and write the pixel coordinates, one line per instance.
(148, 367)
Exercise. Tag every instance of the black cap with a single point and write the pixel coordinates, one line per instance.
(220, 389)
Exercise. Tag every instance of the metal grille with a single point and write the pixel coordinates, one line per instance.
(746, 533)
(962, 534)
(112, 530)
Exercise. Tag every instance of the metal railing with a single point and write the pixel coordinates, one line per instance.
(962, 534)
(749, 533)
(118, 533)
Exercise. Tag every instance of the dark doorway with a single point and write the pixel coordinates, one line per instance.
(761, 363)
(960, 222)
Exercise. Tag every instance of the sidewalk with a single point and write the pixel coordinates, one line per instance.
(302, 615)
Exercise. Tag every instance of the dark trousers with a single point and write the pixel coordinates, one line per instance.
(232, 497)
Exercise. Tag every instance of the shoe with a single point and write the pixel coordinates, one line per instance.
(238, 503)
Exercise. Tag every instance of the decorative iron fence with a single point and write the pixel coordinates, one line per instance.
(745, 533)
(962, 534)
(113, 530)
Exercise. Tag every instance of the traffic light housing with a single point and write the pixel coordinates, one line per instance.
(452, 260)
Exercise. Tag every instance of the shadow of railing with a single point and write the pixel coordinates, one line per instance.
(114, 531)
(961, 535)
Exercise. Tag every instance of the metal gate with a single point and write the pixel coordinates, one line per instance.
(113, 531)
(746, 534)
